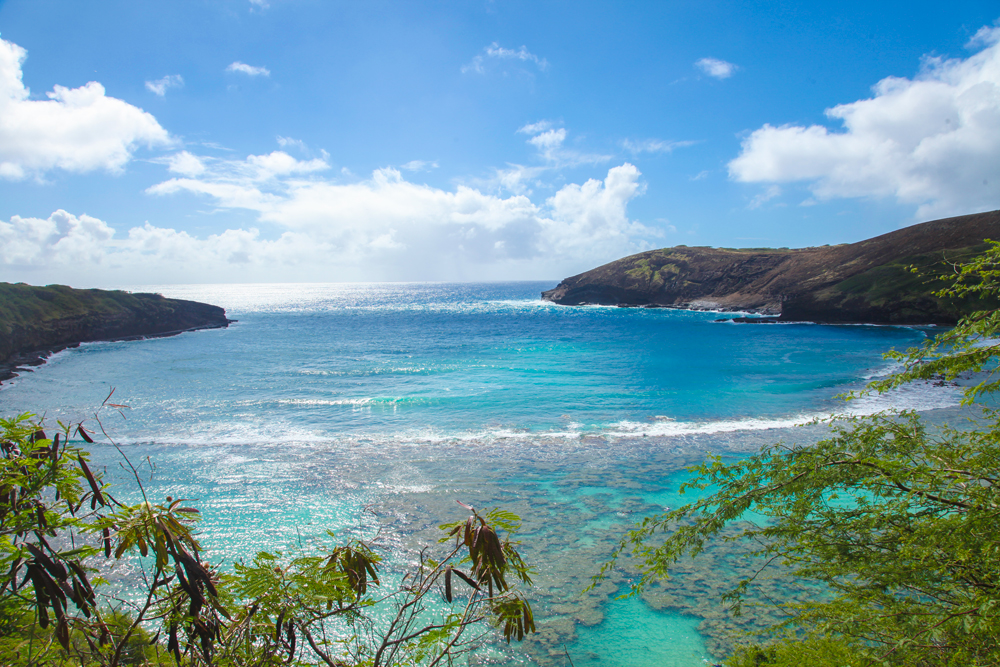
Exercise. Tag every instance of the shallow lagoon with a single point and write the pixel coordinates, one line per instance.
(327, 399)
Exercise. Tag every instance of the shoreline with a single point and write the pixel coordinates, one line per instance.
(27, 360)
(740, 315)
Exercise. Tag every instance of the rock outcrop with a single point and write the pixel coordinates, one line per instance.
(37, 321)
(865, 282)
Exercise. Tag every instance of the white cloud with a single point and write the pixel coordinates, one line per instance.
(186, 164)
(653, 145)
(770, 193)
(516, 179)
(497, 52)
(255, 169)
(535, 128)
(62, 239)
(381, 228)
(249, 70)
(384, 227)
(285, 142)
(419, 165)
(279, 163)
(985, 36)
(720, 69)
(594, 214)
(494, 50)
(160, 86)
(931, 141)
(76, 129)
(549, 144)
(548, 141)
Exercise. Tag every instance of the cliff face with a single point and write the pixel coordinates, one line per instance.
(867, 281)
(35, 321)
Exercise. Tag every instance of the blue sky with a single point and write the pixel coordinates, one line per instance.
(308, 140)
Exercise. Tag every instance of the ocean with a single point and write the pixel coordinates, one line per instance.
(359, 407)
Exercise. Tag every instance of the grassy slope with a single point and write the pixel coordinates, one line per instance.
(36, 319)
(896, 284)
(28, 306)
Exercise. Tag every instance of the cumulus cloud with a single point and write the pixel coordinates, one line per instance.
(497, 52)
(716, 68)
(70, 248)
(594, 214)
(62, 238)
(159, 87)
(249, 70)
(76, 129)
(932, 141)
(549, 143)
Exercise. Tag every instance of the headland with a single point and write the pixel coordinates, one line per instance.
(888, 279)
(36, 322)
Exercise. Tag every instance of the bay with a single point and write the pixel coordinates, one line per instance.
(327, 399)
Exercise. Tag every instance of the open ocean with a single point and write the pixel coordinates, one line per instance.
(326, 399)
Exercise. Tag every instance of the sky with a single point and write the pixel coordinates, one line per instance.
(232, 141)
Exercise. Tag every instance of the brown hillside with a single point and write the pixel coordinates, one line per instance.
(868, 281)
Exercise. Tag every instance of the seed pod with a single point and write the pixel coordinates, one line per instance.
(98, 496)
(62, 633)
(277, 626)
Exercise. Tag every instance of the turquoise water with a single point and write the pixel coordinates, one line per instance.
(326, 399)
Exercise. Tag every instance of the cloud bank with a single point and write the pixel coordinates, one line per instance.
(316, 228)
(932, 141)
(76, 129)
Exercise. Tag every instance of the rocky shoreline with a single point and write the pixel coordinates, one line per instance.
(20, 362)
(37, 322)
(869, 282)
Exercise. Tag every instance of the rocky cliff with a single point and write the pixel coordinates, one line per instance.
(868, 282)
(36, 321)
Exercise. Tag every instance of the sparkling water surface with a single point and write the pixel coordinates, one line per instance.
(325, 399)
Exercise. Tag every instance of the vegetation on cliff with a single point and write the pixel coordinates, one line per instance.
(35, 321)
(898, 521)
(869, 281)
(61, 528)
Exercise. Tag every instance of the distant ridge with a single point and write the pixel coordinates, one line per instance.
(864, 282)
(37, 321)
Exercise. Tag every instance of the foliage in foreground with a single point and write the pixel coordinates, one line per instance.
(899, 521)
(60, 527)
